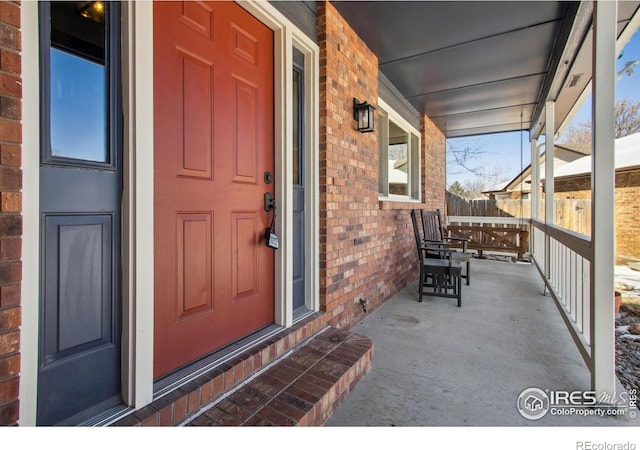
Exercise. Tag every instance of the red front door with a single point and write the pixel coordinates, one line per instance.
(213, 120)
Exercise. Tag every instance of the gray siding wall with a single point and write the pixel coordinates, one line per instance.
(388, 92)
(302, 13)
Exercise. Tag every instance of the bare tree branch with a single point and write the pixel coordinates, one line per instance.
(627, 122)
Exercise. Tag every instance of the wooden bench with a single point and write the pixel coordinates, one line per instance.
(492, 238)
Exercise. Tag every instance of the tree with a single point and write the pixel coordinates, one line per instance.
(627, 122)
(627, 117)
(457, 189)
(464, 157)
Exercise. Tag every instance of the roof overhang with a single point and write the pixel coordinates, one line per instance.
(480, 67)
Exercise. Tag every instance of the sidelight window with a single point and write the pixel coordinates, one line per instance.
(77, 83)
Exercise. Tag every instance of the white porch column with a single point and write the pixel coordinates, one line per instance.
(535, 179)
(549, 152)
(602, 197)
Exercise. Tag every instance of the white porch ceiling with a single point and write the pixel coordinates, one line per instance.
(479, 67)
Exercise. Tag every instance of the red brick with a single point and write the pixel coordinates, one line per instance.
(193, 402)
(151, 421)
(9, 413)
(218, 385)
(10, 272)
(10, 85)
(9, 390)
(9, 37)
(9, 366)
(9, 295)
(206, 393)
(10, 248)
(179, 410)
(10, 225)
(10, 13)
(9, 342)
(275, 417)
(229, 379)
(9, 318)
(11, 202)
(164, 416)
(10, 61)
(10, 108)
(10, 155)
(10, 131)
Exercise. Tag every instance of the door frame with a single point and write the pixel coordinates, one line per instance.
(137, 207)
(286, 36)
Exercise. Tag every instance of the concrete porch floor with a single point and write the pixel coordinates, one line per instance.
(439, 365)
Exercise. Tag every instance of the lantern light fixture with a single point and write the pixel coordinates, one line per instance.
(363, 115)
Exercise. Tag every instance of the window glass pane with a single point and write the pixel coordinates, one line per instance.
(296, 127)
(78, 108)
(383, 141)
(398, 160)
(415, 167)
(78, 87)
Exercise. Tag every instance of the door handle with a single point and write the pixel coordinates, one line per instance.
(270, 233)
(269, 202)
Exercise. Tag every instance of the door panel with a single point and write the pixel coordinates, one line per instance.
(195, 289)
(245, 145)
(81, 271)
(80, 207)
(213, 95)
(245, 254)
(195, 114)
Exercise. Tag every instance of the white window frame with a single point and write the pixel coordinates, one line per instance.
(387, 114)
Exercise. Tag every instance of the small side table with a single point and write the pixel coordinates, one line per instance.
(441, 278)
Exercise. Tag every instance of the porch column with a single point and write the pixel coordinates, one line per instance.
(535, 179)
(549, 151)
(603, 379)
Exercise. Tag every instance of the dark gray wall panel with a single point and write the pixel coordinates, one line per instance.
(388, 92)
(302, 13)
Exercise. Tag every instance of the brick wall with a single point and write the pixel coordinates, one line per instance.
(627, 207)
(367, 249)
(10, 209)
(579, 188)
(434, 164)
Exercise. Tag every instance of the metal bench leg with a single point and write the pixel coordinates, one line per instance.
(459, 287)
(468, 273)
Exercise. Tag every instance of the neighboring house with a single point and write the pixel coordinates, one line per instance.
(573, 181)
(521, 183)
(398, 176)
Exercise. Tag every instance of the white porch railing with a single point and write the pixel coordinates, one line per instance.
(566, 258)
(563, 259)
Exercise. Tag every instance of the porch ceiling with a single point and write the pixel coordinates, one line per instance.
(473, 67)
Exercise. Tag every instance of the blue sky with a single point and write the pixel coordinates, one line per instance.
(501, 152)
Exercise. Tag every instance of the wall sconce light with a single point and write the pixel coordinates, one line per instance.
(363, 114)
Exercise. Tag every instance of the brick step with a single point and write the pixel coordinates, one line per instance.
(192, 399)
(188, 400)
(301, 389)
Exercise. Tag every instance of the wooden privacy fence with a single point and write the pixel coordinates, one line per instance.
(570, 214)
